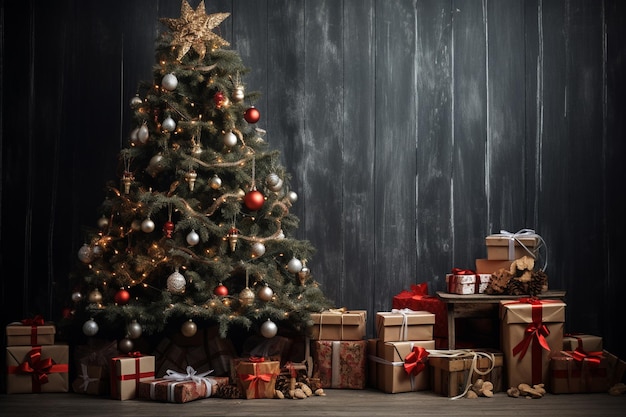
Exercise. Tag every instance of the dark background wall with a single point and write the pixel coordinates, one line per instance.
(412, 129)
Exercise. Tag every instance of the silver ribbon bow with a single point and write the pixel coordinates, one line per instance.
(191, 375)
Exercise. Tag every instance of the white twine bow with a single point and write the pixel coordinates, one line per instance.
(85, 377)
(404, 330)
(474, 368)
(191, 375)
(524, 233)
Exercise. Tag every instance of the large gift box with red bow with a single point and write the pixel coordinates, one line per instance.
(32, 369)
(532, 332)
(256, 377)
(338, 324)
(340, 363)
(30, 332)
(402, 366)
(452, 371)
(404, 324)
(178, 387)
(127, 372)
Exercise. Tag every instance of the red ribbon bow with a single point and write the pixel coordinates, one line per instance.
(459, 271)
(415, 361)
(254, 381)
(35, 321)
(256, 359)
(535, 329)
(593, 358)
(135, 354)
(36, 366)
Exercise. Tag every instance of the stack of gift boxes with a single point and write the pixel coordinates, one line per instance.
(34, 362)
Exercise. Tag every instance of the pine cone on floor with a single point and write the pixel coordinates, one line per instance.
(516, 287)
(228, 391)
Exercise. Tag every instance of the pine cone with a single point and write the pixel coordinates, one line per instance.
(228, 391)
(282, 383)
(498, 282)
(516, 287)
(538, 283)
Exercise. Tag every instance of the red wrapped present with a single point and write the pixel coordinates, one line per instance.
(340, 363)
(178, 387)
(30, 332)
(256, 377)
(34, 369)
(578, 371)
(418, 300)
(532, 331)
(126, 373)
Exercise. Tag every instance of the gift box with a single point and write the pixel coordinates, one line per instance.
(33, 369)
(90, 380)
(486, 266)
(97, 352)
(340, 363)
(418, 300)
(256, 377)
(532, 331)
(338, 324)
(30, 332)
(512, 246)
(402, 366)
(464, 281)
(450, 371)
(577, 371)
(580, 341)
(178, 387)
(127, 372)
(405, 324)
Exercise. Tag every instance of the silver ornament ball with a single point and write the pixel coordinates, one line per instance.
(294, 265)
(216, 182)
(85, 254)
(90, 327)
(292, 196)
(77, 296)
(125, 345)
(265, 293)
(134, 330)
(229, 139)
(168, 124)
(135, 102)
(147, 226)
(193, 238)
(169, 82)
(143, 133)
(258, 249)
(269, 329)
(276, 187)
(176, 282)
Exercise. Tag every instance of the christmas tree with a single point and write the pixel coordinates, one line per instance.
(197, 228)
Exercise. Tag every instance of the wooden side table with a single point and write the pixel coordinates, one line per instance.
(480, 305)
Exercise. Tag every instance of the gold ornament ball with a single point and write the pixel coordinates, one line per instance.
(189, 328)
(95, 296)
(246, 296)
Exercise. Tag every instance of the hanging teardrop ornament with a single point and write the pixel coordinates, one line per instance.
(233, 236)
(191, 177)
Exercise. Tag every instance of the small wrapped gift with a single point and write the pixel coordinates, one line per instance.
(340, 363)
(511, 246)
(578, 371)
(402, 366)
(404, 324)
(580, 341)
(34, 369)
(532, 331)
(338, 324)
(418, 300)
(178, 387)
(465, 281)
(126, 373)
(30, 332)
(451, 371)
(90, 380)
(257, 377)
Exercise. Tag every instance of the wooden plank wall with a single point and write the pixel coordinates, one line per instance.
(411, 128)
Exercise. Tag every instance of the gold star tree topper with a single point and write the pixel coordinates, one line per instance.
(193, 29)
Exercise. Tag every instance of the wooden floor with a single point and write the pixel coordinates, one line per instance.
(337, 403)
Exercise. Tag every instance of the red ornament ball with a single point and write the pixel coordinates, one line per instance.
(221, 290)
(168, 229)
(218, 99)
(252, 115)
(254, 200)
(122, 296)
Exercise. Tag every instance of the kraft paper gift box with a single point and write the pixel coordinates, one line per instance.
(404, 324)
(256, 377)
(464, 281)
(450, 370)
(576, 371)
(418, 300)
(30, 332)
(338, 324)
(178, 387)
(586, 342)
(402, 366)
(486, 266)
(511, 246)
(532, 332)
(127, 372)
(33, 369)
(340, 363)
(90, 380)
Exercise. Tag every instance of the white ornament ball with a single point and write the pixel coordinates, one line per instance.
(147, 226)
(193, 238)
(216, 182)
(229, 139)
(292, 196)
(189, 328)
(168, 124)
(276, 187)
(258, 249)
(77, 296)
(90, 327)
(103, 222)
(85, 254)
(269, 329)
(169, 82)
(265, 293)
(134, 330)
(125, 345)
(294, 265)
(143, 133)
(176, 282)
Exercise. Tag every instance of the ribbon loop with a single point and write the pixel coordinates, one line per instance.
(415, 361)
